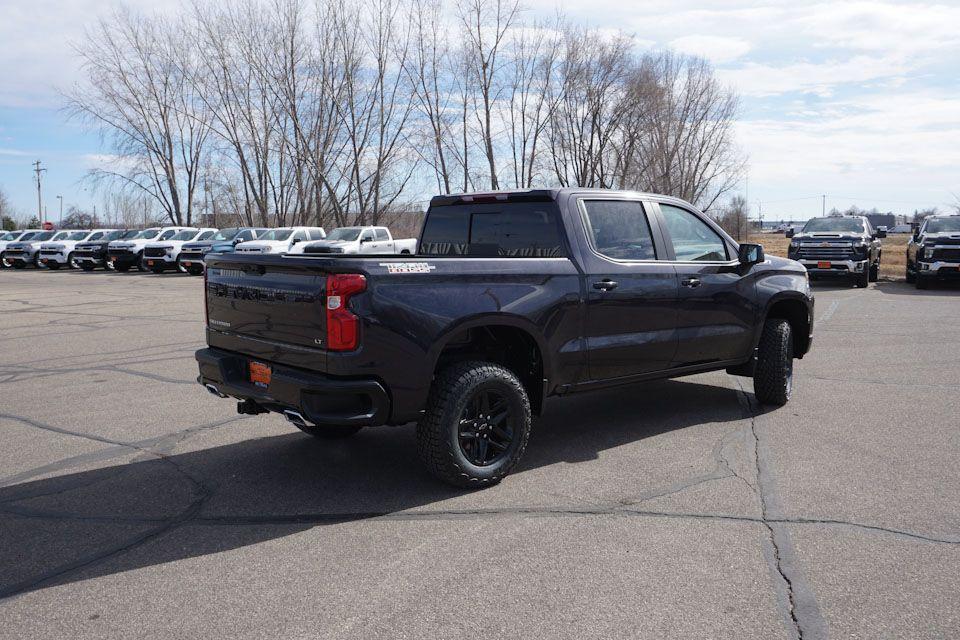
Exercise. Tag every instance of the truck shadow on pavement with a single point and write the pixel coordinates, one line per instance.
(128, 506)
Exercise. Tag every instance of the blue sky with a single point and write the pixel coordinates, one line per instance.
(856, 100)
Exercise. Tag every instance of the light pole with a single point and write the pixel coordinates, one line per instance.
(60, 198)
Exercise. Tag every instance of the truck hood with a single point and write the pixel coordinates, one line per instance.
(165, 244)
(19, 246)
(199, 246)
(129, 244)
(60, 245)
(328, 246)
(95, 245)
(946, 237)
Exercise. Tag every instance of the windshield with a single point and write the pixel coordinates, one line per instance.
(836, 225)
(344, 233)
(276, 234)
(226, 234)
(117, 235)
(147, 234)
(8, 237)
(63, 235)
(941, 225)
(77, 236)
(129, 234)
(190, 234)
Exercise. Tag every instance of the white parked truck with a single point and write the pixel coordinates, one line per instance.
(281, 240)
(7, 237)
(124, 254)
(54, 255)
(162, 255)
(360, 240)
(26, 250)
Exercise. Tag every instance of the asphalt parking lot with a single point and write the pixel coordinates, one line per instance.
(134, 504)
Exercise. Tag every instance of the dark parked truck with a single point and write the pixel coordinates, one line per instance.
(513, 297)
(934, 251)
(839, 246)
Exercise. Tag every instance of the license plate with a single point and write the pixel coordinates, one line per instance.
(44, 260)
(823, 264)
(260, 374)
(186, 264)
(113, 258)
(149, 263)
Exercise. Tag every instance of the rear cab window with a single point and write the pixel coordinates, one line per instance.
(619, 229)
(499, 229)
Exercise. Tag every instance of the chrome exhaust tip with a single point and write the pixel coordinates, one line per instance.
(212, 389)
(295, 418)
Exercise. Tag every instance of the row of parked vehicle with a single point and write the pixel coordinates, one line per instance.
(850, 247)
(160, 249)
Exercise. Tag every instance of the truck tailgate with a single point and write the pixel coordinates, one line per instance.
(264, 299)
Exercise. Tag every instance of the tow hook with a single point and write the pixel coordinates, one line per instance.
(250, 408)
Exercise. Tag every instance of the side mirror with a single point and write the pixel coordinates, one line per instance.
(295, 241)
(881, 233)
(363, 240)
(789, 233)
(750, 254)
(916, 235)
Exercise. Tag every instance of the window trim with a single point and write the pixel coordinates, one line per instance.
(653, 225)
(731, 247)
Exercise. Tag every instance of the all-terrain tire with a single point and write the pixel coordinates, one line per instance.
(875, 271)
(773, 376)
(195, 271)
(335, 432)
(910, 276)
(438, 432)
(862, 280)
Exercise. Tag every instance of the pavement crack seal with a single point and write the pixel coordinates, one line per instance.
(806, 621)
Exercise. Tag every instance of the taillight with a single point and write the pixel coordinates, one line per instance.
(343, 328)
(206, 299)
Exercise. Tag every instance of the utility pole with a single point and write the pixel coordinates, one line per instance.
(39, 172)
(60, 198)
(823, 206)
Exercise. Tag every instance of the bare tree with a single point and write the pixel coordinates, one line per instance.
(590, 108)
(138, 96)
(686, 148)
(485, 24)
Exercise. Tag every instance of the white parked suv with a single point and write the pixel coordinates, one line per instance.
(162, 255)
(26, 250)
(124, 254)
(60, 254)
(281, 240)
(6, 237)
(359, 240)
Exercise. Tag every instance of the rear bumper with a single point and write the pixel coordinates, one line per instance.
(318, 398)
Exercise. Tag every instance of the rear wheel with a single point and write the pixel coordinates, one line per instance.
(476, 425)
(335, 432)
(773, 376)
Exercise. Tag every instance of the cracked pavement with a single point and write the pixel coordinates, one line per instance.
(134, 504)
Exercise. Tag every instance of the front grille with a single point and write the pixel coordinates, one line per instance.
(946, 255)
(86, 251)
(190, 255)
(154, 252)
(14, 253)
(119, 253)
(833, 252)
(49, 252)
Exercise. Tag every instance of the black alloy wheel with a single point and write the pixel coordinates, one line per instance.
(486, 429)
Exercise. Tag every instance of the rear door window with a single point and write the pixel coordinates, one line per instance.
(381, 235)
(510, 229)
(619, 229)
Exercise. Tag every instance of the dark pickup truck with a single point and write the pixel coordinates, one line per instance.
(512, 297)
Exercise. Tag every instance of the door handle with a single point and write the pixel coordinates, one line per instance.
(693, 283)
(605, 285)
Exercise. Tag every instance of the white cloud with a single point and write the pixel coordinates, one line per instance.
(717, 49)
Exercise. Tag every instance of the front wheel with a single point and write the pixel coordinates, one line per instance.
(195, 271)
(862, 280)
(908, 273)
(476, 425)
(875, 271)
(773, 376)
